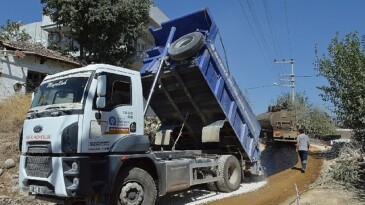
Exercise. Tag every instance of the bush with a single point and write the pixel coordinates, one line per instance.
(13, 111)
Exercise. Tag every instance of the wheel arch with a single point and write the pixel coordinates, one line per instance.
(144, 163)
(121, 164)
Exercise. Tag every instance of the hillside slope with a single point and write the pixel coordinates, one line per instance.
(12, 114)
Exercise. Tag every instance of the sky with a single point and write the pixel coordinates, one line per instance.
(255, 33)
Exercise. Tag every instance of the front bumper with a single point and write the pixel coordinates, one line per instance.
(46, 175)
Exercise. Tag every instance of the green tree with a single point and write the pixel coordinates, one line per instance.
(316, 122)
(105, 29)
(344, 68)
(314, 119)
(285, 100)
(11, 32)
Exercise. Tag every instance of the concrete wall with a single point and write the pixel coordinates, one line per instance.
(38, 35)
(15, 70)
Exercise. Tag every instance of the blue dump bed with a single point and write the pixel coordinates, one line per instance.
(199, 91)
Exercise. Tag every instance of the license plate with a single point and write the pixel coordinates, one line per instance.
(36, 189)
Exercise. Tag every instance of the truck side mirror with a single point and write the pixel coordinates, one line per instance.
(101, 91)
(101, 87)
(100, 102)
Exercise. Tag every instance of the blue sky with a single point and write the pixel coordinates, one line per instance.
(255, 33)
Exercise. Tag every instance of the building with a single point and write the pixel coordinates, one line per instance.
(48, 34)
(23, 66)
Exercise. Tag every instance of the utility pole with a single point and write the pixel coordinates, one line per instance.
(291, 75)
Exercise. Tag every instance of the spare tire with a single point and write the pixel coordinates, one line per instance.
(186, 46)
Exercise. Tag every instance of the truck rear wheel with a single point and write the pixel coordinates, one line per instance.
(229, 167)
(134, 187)
(212, 186)
(186, 46)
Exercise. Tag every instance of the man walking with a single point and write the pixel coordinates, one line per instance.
(302, 148)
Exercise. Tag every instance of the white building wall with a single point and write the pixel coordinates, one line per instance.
(15, 70)
(37, 34)
(157, 15)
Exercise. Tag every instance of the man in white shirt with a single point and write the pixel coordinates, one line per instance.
(302, 148)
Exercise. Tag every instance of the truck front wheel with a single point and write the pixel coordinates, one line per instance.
(229, 167)
(134, 187)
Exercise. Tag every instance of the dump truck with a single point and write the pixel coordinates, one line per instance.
(83, 138)
(278, 124)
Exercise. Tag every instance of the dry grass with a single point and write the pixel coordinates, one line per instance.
(12, 113)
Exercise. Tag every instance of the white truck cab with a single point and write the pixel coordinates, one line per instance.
(95, 109)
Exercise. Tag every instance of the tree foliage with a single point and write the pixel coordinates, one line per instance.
(285, 101)
(344, 68)
(11, 32)
(316, 122)
(313, 119)
(105, 29)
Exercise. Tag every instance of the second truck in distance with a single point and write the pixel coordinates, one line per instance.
(278, 124)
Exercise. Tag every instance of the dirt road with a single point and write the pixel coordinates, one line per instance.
(282, 169)
(283, 173)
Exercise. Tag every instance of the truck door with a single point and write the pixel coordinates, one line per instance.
(118, 118)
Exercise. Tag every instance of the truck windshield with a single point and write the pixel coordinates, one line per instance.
(63, 90)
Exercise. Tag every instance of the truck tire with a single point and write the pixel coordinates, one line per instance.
(134, 187)
(212, 186)
(186, 46)
(229, 167)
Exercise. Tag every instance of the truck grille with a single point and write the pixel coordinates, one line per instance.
(37, 166)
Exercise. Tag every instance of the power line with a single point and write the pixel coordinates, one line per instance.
(224, 50)
(287, 27)
(255, 36)
(262, 86)
(259, 28)
(272, 29)
(307, 76)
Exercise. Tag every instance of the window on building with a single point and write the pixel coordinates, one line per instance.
(34, 79)
(141, 46)
(54, 38)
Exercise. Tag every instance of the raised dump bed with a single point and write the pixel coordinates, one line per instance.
(196, 95)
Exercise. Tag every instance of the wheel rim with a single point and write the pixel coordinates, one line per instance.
(131, 193)
(233, 174)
